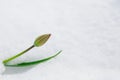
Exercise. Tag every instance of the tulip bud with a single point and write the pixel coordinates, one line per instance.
(41, 40)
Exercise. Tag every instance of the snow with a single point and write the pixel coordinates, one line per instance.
(88, 32)
(2, 68)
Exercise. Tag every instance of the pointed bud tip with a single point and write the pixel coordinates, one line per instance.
(41, 40)
(48, 35)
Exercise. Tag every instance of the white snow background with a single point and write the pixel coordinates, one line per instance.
(88, 32)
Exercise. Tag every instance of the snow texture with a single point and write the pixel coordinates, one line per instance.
(88, 32)
(2, 68)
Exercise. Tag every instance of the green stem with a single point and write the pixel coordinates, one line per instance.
(33, 62)
(9, 59)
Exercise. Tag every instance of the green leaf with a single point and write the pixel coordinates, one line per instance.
(41, 40)
(34, 62)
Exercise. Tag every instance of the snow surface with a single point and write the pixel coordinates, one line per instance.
(88, 32)
(2, 68)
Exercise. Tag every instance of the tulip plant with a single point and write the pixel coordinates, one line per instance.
(40, 41)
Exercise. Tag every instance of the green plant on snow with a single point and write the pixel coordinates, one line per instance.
(40, 41)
